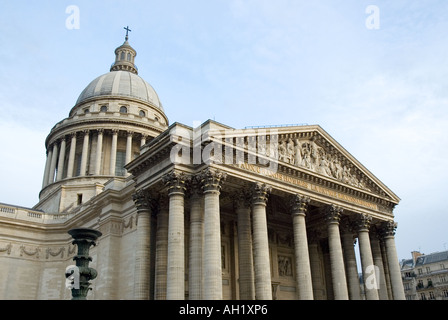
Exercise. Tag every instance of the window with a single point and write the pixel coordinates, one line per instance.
(431, 295)
(420, 271)
(129, 57)
(123, 109)
(122, 56)
(86, 110)
(428, 269)
(120, 162)
(420, 284)
(78, 165)
(103, 109)
(422, 296)
(79, 198)
(445, 293)
(142, 113)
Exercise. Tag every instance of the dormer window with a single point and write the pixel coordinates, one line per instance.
(142, 113)
(103, 109)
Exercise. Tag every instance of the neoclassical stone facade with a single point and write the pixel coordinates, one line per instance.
(198, 213)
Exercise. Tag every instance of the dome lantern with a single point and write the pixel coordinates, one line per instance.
(125, 56)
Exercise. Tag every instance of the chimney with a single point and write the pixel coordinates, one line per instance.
(415, 255)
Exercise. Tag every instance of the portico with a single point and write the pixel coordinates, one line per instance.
(258, 233)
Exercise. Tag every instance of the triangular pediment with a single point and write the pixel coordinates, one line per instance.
(307, 148)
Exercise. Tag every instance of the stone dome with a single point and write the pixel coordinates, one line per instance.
(121, 84)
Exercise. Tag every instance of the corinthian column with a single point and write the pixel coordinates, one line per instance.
(61, 160)
(351, 267)
(99, 149)
(378, 260)
(262, 265)
(195, 279)
(176, 234)
(212, 180)
(389, 228)
(142, 248)
(113, 152)
(299, 206)
(333, 215)
(368, 268)
(245, 253)
(128, 156)
(84, 155)
(47, 168)
(54, 156)
(71, 157)
(161, 249)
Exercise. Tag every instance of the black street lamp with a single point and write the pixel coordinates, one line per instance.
(84, 238)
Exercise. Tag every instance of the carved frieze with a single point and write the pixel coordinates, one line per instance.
(311, 151)
(7, 249)
(50, 252)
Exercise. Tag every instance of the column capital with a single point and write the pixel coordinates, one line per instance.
(362, 222)
(194, 186)
(100, 131)
(299, 204)
(260, 193)
(115, 131)
(241, 199)
(73, 134)
(142, 200)
(388, 228)
(175, 181)
(212, 179)
(333, 214)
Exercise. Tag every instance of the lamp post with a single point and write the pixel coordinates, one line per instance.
(84, 238)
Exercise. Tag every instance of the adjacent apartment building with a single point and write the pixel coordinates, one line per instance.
(425, 276)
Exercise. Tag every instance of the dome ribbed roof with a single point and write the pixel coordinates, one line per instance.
(121, 84)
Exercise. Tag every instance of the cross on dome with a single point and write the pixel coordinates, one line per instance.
(127, 31)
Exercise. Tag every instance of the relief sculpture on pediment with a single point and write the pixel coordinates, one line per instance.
(308, 154)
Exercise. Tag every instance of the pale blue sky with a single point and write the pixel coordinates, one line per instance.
(381, 93)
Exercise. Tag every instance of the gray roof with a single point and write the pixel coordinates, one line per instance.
(121, 84)
(432, 258)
